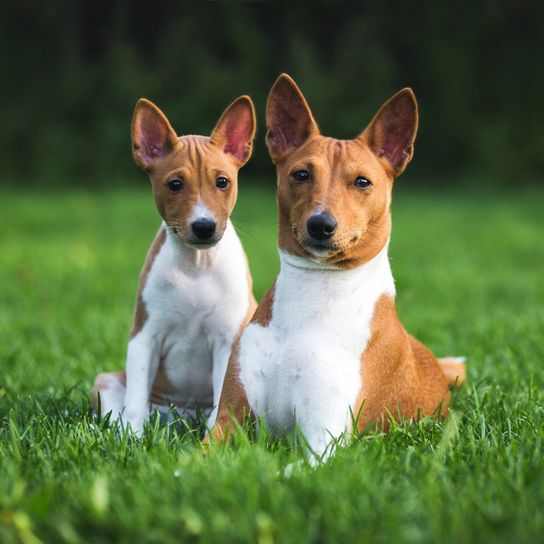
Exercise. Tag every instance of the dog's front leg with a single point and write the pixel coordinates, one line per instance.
(324, 425)
(320, 445)
(142, 364)
(221, 354)
(233, 403)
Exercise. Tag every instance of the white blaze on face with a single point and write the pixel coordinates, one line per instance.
(200, 212)
(318, 209)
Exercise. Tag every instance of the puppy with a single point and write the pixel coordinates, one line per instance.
(325, 349)
(195, 291)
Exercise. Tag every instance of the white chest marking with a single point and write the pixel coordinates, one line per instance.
(196, 301)
(304, 368)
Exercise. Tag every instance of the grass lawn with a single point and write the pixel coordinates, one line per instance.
(469, 268)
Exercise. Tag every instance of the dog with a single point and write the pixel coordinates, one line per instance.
(325, 350)
(195, 290)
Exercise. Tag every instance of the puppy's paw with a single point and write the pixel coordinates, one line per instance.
(133, 424)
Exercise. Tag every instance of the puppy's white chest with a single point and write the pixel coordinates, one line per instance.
(194, 313)
(177, 300)
(304, 368)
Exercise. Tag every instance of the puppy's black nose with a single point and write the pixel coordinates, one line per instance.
(203, 228)
(321, 226)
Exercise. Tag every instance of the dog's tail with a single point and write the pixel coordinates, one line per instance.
(454, 369)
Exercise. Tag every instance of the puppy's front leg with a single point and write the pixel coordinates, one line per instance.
(232, 402)
(221, 356)
(142, 364)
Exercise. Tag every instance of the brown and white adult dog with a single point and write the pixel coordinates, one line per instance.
(195, 292)
(325, 347)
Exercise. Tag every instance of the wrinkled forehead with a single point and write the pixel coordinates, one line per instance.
(344, 156)
(196, 156)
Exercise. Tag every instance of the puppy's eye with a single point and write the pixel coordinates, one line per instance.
(362, 183)
(300, 176)
(222, 182)
(175, 185)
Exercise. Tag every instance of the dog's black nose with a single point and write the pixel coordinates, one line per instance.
(203, 228)
(321, 226)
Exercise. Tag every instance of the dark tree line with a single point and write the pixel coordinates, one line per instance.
(72, 71)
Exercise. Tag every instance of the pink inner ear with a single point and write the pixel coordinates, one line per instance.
(152, 136)
(238, 134)
(396, 143)
(285, 134)
(289, 121)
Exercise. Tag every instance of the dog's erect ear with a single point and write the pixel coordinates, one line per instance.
(392, 132)
(235, 129)
(152, 135)
(289, 121)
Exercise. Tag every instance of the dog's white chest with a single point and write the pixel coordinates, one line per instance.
(194, 313)
(304, 368)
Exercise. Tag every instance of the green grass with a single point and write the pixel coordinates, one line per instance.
(469, 269)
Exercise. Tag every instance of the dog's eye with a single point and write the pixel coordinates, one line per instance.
(362, 183)
(301, 176)
(175, 185)
(222, 182)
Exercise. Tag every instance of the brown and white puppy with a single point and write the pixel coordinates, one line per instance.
(325, 346)
(195, 292)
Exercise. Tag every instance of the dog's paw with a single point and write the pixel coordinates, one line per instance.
(292, 468)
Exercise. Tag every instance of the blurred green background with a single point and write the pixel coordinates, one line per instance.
(72, 71)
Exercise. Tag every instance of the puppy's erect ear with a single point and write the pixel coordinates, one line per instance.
(392, 132)
(235, 129)
(289, 121)
(152, 135)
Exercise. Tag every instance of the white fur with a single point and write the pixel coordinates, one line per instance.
(458, 360)
(304, 368)
(112, 396)
(196, 301)
(201, 211)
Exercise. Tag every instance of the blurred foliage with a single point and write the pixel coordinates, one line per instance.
(72, 71)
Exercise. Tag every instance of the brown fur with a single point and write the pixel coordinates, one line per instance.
(400, 375)
(140, 312)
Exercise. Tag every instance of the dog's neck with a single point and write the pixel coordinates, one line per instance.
(295, 261)
(199, 260)
(375, 274)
